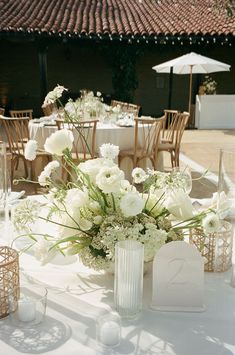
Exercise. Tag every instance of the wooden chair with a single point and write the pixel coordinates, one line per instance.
(147, 131)
(17, 133)
(173, 147)
(126, 107)
(84, 140)
(170, 120)
(21, 113)
(49, 109)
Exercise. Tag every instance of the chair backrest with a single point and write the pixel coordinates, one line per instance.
(147, 136)
(22, 113)
(84, 137)
(170, 123)
(49, 109)
(17, 132)
(2, 111)
(182, 123)
(126, 107)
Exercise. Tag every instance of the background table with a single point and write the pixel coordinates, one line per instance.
(105, 133)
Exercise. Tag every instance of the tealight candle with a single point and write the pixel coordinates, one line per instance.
(110, 333)
(26, 309)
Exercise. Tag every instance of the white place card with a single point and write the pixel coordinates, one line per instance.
(178, 278)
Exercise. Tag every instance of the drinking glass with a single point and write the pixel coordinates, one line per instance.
(128, 282)
(183, 178)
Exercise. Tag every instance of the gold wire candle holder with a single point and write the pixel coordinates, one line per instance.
(215, 248)
(9, 277)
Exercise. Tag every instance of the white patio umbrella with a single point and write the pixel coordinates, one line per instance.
(191, 63)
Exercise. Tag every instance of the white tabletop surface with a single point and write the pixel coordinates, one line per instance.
(77, 296)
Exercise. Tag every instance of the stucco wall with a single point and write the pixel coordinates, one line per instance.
(79, 66)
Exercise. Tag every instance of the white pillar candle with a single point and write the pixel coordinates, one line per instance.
(110, 333)
(233, 276)
(26, 309)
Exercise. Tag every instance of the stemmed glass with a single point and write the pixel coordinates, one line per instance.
(183, 178)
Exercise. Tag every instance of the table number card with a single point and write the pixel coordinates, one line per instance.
(178, 278)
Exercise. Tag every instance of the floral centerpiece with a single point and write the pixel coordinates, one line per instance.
(100, 207)
(208, 86)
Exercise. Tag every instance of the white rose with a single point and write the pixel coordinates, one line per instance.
(76, 198)
(131, 204)
(59, 141)
(179, 205)
(93, 166)
(30, 152)
(109, 179)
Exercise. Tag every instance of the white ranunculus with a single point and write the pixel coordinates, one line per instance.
(109, 179)
(51, 167)
(211, 223)
(109, 151)
(76, 198)
(43, 178)
(59, 141)
(127, 187)
(93, 166)
(30, 152)
(98, 220)
(139, 175)
(131, 204)
(179, 205)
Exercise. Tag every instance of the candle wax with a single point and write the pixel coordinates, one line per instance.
(110, 333)
(26, 309)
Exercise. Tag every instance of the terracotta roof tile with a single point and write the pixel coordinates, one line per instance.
(114, 17)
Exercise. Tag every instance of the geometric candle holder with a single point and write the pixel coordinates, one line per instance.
(216, 248)
(9, 277)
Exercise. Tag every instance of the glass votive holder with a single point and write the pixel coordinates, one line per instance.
(108, 330)
(27, 305)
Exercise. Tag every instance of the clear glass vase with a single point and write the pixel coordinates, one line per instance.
(226, 184)
(5, 185)
(128, 282)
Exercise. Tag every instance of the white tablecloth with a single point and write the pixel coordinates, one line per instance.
(78, 295)
(105, 133)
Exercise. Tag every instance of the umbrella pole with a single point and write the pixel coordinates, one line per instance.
(190, 89)
(170, 88)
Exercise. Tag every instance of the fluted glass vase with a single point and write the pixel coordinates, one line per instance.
(128, 284)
